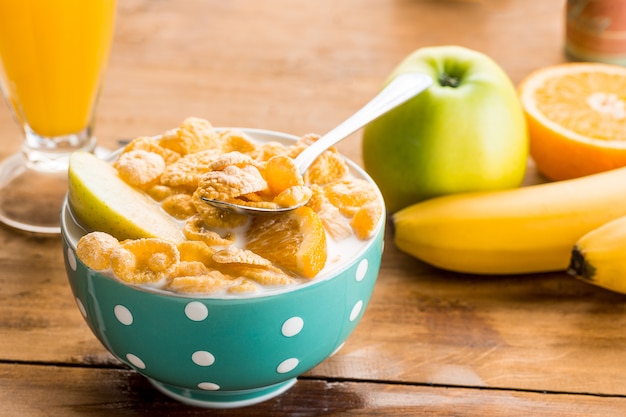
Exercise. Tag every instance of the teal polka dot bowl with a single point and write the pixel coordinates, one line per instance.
(224, 352)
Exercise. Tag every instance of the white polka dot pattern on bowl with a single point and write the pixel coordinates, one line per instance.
(81, 307)
(203, 358)
(123, 315)
(287, 365)
(208, 386)
(196, 311)
(292, 326)
(361, 270)
(356, 310)
(135, 361)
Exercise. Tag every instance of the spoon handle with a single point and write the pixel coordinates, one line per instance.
(399, 90)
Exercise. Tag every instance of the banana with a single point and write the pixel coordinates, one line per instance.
(523, 230)
(599, 257)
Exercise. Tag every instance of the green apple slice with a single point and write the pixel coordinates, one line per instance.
(102, 201)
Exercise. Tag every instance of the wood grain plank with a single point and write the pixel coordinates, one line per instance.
(34, 391)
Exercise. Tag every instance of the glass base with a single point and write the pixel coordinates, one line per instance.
(31, 199)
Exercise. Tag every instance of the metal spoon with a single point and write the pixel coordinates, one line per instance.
(398, 91)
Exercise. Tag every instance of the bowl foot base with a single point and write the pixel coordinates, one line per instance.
(223, 399)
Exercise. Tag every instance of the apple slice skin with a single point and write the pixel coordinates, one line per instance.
(102, 201)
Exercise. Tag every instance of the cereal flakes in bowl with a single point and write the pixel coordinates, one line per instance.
(233, 312)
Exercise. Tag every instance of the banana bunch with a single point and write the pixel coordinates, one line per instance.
(599, 257)
(523, 230)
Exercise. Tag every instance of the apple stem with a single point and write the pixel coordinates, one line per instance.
(445, 80)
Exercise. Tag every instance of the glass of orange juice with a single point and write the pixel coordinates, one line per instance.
(53, 54)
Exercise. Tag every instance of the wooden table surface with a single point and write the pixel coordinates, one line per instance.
(431, 343)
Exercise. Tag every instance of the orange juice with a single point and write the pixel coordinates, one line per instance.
(53, 54)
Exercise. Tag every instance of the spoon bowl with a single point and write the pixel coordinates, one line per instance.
(248, 210)
(399, 90)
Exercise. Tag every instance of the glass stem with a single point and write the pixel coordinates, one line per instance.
(51, 154)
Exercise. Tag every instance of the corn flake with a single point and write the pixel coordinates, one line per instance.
(244, 263)
(293, 196)
(265, 276)
(243, 286)
(216, 218)
(211, 282)
(268, 150)
(231, 182)
(188, 269)
(196, 229)
(193, 135)
(94, 250)
(234, 140)
(179, 206)
(307, 140)
(147, 143)
(231, 158)
(140, 168)
(143, 261)
(233, 255)
(187, 171)
(196, 251)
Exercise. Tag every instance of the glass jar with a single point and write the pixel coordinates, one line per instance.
(595, 30)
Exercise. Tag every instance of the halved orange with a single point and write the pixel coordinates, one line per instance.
(576, 115)
(295, 241)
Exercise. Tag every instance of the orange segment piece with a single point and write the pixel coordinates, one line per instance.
(281, 173)
(295, 241)
(365, 220)
(576, 116)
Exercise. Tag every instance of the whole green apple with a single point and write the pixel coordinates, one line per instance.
(466, 132)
